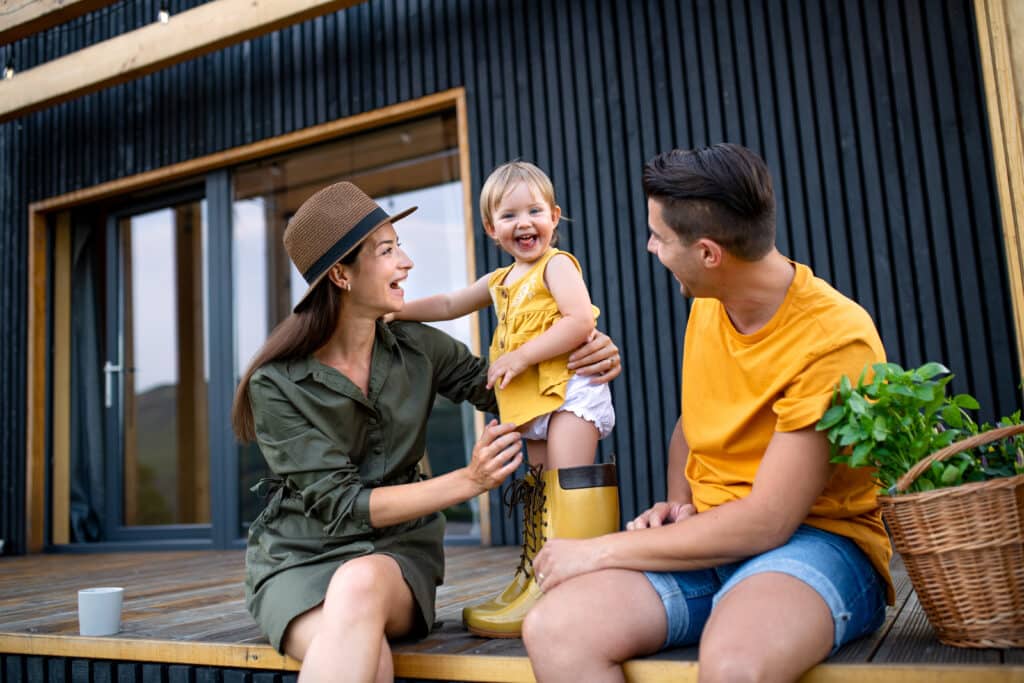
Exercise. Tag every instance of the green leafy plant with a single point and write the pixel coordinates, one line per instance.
(900, 416)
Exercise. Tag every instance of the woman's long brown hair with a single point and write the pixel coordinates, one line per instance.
(297, 336)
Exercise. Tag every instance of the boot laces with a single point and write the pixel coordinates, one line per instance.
(531, 495)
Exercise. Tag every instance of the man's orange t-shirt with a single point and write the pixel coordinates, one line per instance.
(739, 389)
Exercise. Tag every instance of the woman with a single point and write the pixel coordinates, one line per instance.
(349, 549)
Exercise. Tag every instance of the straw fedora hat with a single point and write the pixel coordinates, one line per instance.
(328, 226)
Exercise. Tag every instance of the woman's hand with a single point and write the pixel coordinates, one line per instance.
(503, 370)
(662, 514)
(599, 358)
(562, 558)
(495, 456)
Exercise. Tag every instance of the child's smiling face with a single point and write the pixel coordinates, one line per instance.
(523, 223)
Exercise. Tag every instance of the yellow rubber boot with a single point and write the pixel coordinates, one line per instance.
(525, 492)
(576, 502)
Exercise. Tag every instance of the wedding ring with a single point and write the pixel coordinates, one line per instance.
(540, 577)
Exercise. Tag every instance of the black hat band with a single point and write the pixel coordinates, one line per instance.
(347, 241)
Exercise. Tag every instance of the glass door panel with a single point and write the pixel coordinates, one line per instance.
(164, 464)
(412, 163)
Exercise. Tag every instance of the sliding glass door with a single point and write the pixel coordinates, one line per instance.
(172, 292)
(155, 373)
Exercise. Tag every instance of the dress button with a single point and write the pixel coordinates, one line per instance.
(501, 345)
(502, 317)
(504, 293)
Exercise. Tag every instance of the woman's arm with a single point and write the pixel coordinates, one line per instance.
(447, 306)
(495, 456)
(572, 329)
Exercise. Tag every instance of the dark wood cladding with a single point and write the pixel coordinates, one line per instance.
(870, 113)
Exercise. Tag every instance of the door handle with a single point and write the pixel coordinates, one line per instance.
(108, 385)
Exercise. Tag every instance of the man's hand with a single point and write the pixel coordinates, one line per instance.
(662, 514)
(599, 359)
(562, 558)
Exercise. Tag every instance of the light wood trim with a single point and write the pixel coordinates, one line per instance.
(462, 127)
(61, 421)
(195, 32)
(256, 150)
(193, 453)
(35, 435)
(1007, 152)
(35, 439)
(470, 667)
(163, 651)
(20, 19)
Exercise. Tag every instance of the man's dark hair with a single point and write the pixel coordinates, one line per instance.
(723, 192)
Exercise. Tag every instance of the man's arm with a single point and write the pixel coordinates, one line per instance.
(792, 474)
(448, 306)
(679, 503)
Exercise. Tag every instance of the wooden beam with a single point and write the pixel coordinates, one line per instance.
(21, 18)
(60, 428)
(198, 31)
(264, 148)
(1004, 118)
(468, 667)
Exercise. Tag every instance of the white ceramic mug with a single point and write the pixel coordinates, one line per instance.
(99, 611)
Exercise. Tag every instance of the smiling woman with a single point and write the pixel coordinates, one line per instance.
(413, 163)
(347, 551)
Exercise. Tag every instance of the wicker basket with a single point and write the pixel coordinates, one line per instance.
(963, 547)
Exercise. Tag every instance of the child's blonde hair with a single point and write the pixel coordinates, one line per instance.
(503, 178)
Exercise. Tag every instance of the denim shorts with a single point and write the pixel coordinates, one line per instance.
(832, 565)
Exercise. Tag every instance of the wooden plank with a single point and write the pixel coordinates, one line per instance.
(863, 649)
(19, 19)
(912, 639)
(1007, 144)
(195, 32)
(60, 492)
(188, 608)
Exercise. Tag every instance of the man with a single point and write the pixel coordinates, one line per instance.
(764, 553)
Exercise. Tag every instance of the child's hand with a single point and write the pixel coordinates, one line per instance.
(503, 370)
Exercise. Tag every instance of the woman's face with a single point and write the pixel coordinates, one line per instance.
(377, 276)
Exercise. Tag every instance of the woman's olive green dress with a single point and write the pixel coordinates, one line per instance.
(328, 445)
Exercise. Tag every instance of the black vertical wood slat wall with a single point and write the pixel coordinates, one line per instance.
(869, 112)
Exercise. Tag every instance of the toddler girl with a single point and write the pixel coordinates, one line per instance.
(543, 313)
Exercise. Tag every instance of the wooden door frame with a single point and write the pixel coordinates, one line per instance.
(42, 213)
(1001, 52)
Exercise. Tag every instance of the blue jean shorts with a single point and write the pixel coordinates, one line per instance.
(832, 565)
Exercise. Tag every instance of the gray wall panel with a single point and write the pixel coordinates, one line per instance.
(870, 114)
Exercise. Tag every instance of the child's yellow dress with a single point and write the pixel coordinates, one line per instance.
(526, 309)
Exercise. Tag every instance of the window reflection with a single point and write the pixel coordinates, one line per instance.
(411, 164)
(166, 464)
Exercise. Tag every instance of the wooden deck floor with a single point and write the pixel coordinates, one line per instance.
(188, 608)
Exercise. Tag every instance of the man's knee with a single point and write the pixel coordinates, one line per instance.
(545, 624)
(731, 666)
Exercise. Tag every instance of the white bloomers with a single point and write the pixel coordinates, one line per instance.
(592, 402)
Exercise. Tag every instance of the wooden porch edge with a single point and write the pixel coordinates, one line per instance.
(467, 667)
